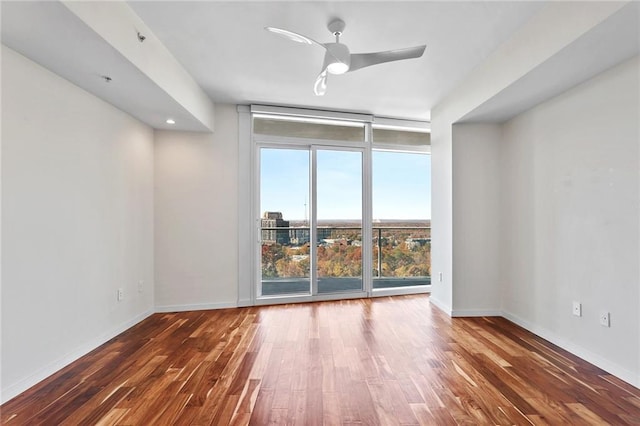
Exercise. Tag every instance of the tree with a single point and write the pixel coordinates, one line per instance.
(271, 254)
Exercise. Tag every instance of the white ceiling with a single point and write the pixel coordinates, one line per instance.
(226, 49)
(51, 35)
(224, 46)
(607, 44)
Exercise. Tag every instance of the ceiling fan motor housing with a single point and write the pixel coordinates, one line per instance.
(338, 57)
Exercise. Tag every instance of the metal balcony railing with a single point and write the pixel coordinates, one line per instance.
(398, 252)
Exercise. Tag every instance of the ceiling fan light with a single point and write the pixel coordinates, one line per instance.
(337, 67)
(337, 58)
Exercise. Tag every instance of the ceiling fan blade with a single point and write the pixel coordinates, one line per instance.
(320, 86)
(361, 60)
(298, 38)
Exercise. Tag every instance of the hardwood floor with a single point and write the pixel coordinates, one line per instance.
(383, 361)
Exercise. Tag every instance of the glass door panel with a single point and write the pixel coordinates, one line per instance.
(338, 209)
(284, 223)
(401, 219)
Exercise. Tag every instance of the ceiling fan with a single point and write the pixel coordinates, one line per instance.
(338, 59)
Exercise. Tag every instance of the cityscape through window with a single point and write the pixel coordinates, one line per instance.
(401, 190)
(312, 201)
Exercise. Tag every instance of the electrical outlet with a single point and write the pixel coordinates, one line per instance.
(120, 294)
(577, 309)
(605, 319)
(140, 286)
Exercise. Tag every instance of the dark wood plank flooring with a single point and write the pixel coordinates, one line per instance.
(384, 361)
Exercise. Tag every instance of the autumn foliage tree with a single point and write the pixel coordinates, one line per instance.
(343, 257)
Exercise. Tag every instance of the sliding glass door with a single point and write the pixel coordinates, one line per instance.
(284, 222)
(337, 205)
(311, 220)
(338, 214)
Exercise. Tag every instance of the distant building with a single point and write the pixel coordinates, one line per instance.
(414, 243)
(299, 236)
(323, 233)
(273, 236)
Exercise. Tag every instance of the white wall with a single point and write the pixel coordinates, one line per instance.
(77, 222)
(477, 220)
(556, 26)
(196, 216)
(544, 260)
(571, 204)
(441, 211)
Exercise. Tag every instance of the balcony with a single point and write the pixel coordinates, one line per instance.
(401, 258)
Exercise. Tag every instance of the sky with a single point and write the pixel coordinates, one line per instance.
(401, 184)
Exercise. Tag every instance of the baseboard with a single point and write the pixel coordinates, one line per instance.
(195, 307)
(475, 313)
(243, 303)
(444, 308)
(17, 388)
(620, 372)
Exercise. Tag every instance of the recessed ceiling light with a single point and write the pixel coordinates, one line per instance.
(171, 121)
